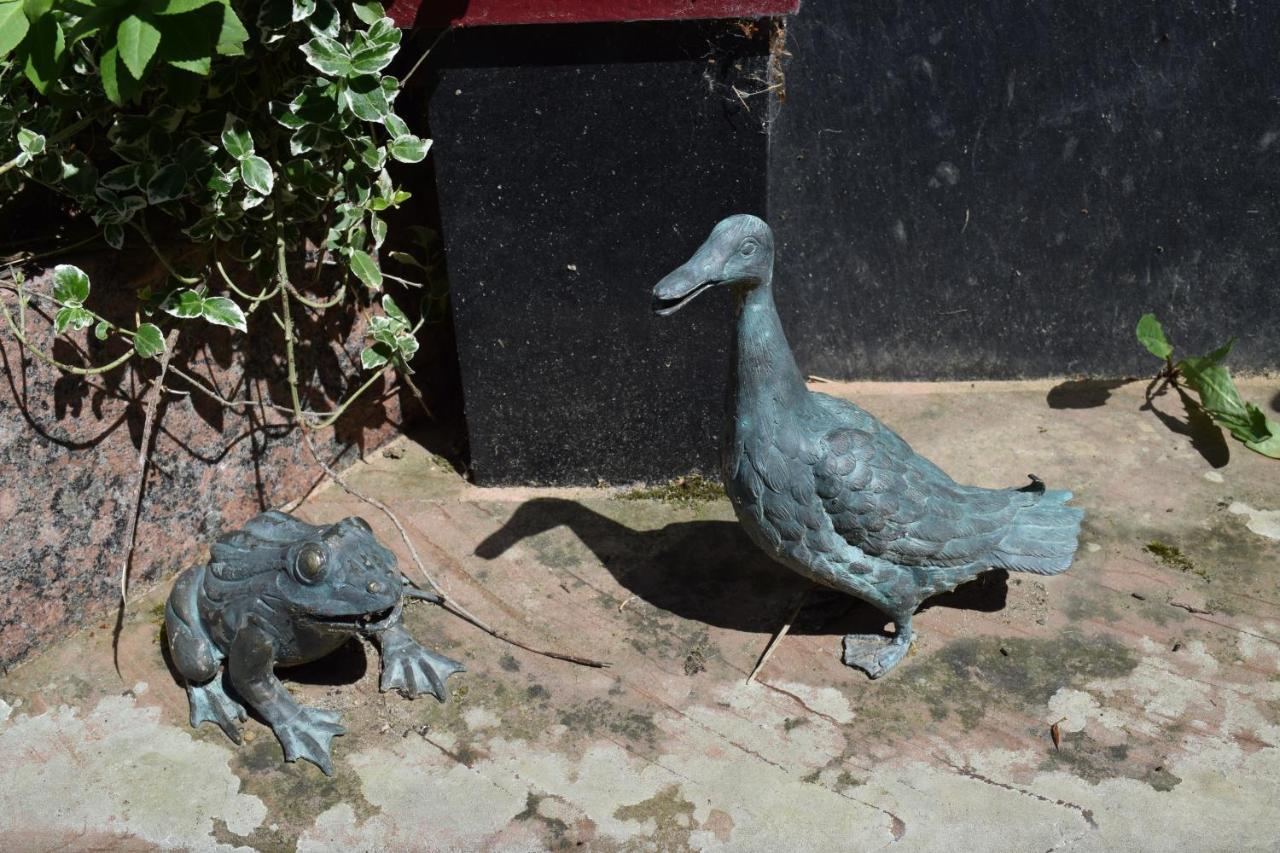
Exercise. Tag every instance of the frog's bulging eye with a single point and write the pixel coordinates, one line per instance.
(311, 563)
(361, 523)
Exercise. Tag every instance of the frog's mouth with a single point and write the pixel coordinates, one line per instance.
(367, 623)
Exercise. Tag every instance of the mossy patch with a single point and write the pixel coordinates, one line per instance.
(671, 813)
(967, 677)
(1095, 762)
(682, 491)
(598, 714)
(295, 793)
(1172, 557)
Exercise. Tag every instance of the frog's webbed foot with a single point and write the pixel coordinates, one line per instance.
(307, 735)
(411, 669)
(210, 703)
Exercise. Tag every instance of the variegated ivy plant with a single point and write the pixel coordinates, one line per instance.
(261, 131)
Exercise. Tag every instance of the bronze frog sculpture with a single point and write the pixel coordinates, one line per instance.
(281, 592)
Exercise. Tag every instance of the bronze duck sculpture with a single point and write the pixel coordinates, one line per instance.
(835, 495)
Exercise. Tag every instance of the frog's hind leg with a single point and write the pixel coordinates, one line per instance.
(198, 660)
(411, 669)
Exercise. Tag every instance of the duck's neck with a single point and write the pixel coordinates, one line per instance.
(765, 371)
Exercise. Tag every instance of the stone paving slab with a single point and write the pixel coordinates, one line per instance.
(1156, 655)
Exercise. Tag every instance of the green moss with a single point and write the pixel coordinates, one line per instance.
(1092, 761)
(295, 794)
(599, 714)
(1172, 557)
(967, 677)
(683, 491)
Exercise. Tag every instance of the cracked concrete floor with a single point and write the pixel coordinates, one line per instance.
(1156, 655)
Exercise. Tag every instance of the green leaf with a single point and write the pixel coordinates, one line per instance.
(393, 310)
(396, 126)
(232, 35)
(180, 7)
(236, 138)
(62, 320)
(1213, 383)
(45, 48)
(408, 345)
(328, 56)
(365, 97)
(1266, 438)
(1151, 336)
(189, 40)
(36, 9)
(221, 311)
(366, 269)
(374, 57)
(374, 357)
(407, 259)
(70, 284)
(120, 178)
(148, 341)
(13, 26)
(137, 40)
(113, 76)
(368, 13)
(101, 330)
(409, 149)
(183, 303)
(114, 235)
(30, 142)
(168, 183)
(377, 230)
(220, 183)
(257, 175)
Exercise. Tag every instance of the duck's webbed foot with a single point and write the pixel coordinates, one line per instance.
(876, 654)
(411, 669)
(308, 734)
(211, 703)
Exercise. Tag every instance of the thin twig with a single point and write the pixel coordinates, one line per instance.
(777, 638)
(140, 479)
(421, 59)
(446, 602)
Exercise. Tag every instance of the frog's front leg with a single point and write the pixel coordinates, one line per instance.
(411, 669)
(303, 732)
(197, 659)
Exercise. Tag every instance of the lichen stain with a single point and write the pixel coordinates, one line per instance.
(672, 816)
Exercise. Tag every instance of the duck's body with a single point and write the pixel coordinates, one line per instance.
(835, 495)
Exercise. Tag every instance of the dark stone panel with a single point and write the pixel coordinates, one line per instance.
(575, 166)
(992, 189)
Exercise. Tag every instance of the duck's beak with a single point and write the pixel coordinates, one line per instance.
(679, 287)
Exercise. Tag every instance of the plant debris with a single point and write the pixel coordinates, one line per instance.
(1055, 732)
(684, 491)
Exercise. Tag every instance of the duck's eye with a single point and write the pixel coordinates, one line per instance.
(311, 562)
(748, 247)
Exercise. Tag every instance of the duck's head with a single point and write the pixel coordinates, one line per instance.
(739, 251)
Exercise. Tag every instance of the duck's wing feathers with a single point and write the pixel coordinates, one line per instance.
(890, 502)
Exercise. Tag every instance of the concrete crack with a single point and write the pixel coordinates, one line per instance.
(1087, 814)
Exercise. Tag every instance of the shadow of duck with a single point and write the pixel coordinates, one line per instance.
(710, 572)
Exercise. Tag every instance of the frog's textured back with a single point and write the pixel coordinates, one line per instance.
(259, 546)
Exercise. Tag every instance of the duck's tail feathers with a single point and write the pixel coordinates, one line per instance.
(1043, 537)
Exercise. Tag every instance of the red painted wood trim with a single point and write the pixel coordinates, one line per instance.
(475, 13)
